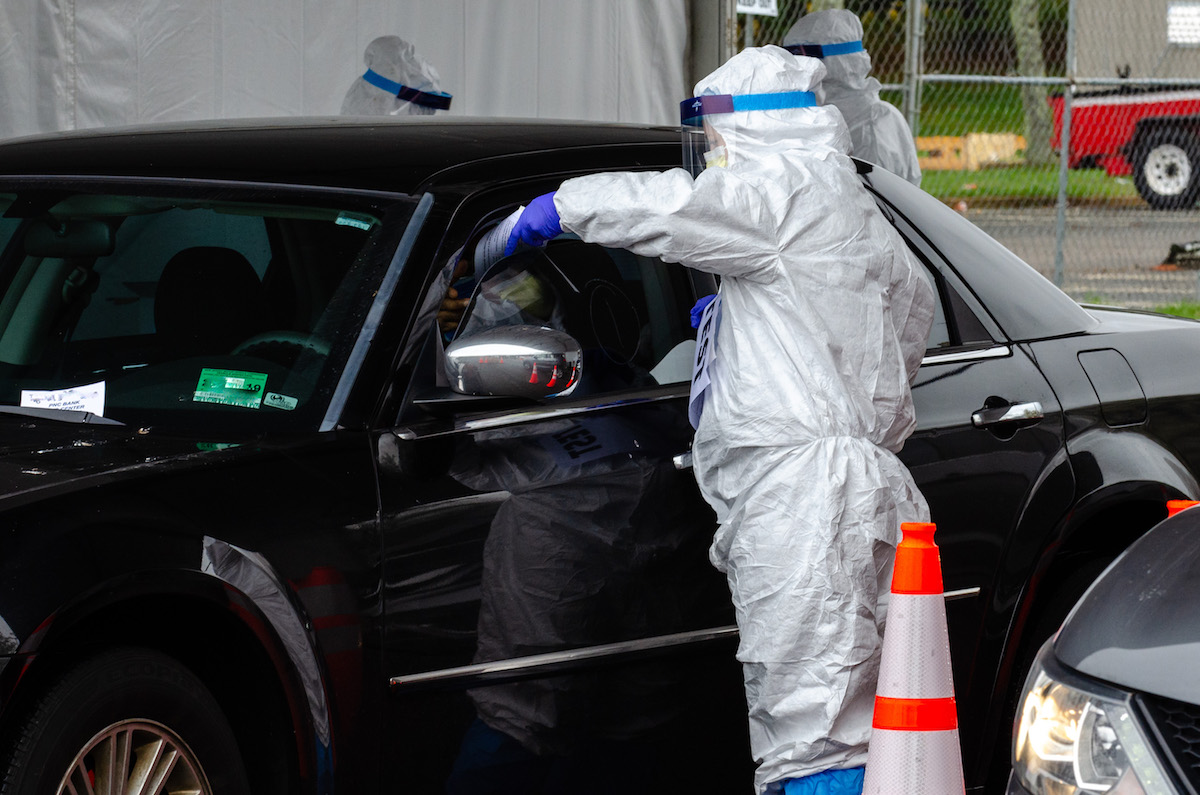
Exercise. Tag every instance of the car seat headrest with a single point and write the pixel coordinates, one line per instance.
(207, 300)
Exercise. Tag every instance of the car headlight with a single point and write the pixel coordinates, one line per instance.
(1075, 736)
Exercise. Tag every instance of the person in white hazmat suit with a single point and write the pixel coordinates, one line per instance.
(824, 319)
(398, 82)
(878, 131)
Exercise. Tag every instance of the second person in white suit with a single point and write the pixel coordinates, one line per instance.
(824, 319)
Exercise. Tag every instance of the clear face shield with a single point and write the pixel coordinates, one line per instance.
(703, 144)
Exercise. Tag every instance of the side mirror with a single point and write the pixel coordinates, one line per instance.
(515, 361)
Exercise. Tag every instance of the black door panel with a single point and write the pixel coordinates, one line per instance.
(533, 552)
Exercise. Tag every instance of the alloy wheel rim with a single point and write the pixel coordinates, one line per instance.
(135, 757)
(1168, 170)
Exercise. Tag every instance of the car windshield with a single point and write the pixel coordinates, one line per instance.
(184, 311)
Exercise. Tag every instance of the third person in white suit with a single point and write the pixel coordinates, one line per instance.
(878, 131)
(824, 318)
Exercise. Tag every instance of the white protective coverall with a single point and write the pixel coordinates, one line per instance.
(878, 131)
(394, 59)
(825, 316)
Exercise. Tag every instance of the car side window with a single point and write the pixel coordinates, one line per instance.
(629, 314)
(939, 332)
(955, 324)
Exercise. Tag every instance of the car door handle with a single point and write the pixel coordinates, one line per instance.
(683, 461)
(1016, 413)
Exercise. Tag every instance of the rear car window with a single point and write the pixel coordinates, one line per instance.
(183, 310)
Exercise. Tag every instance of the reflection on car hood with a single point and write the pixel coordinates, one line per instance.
(39, 458)
(1139, 624)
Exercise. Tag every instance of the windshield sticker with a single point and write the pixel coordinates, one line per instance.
(230, 388)
(276, 400)
(355, 220)
(88, 398)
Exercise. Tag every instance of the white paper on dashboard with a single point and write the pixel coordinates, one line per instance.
(88, 398)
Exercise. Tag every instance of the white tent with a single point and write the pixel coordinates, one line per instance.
(69, 64)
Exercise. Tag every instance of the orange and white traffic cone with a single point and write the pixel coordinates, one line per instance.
(914, 743)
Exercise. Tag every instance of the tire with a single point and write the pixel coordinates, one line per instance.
(125, 698)
(1166, 169)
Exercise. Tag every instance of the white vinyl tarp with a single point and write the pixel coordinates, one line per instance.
(71, 64)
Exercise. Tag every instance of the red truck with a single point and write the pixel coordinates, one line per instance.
(1153, 134)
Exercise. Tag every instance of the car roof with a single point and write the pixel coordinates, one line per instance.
(400, 154)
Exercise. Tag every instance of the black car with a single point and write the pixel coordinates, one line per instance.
(275, 519)
(1112, 703)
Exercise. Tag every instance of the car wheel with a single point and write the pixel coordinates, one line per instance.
(1166, 169)
(127, 720)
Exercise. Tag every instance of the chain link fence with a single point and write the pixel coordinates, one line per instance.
(1069, 130)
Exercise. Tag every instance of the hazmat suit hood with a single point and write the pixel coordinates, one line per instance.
(396, 60)
(754, 134)
(847, 74)
(878, 130)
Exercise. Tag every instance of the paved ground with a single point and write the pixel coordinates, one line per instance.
(1110, 255)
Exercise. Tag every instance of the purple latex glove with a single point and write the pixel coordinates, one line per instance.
(536, 224)
(698, 309)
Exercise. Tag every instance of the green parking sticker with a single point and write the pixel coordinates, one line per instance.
(230, 388)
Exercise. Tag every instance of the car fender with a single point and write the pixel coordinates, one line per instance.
(1108, 460)
(1123, 480)
(252, 576)
(239, 584)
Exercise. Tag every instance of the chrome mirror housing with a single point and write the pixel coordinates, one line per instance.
(515, 361)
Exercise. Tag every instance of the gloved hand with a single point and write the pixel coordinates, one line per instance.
(536, 224)
(698, 309)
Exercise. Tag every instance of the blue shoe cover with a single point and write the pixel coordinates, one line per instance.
(827, 782)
